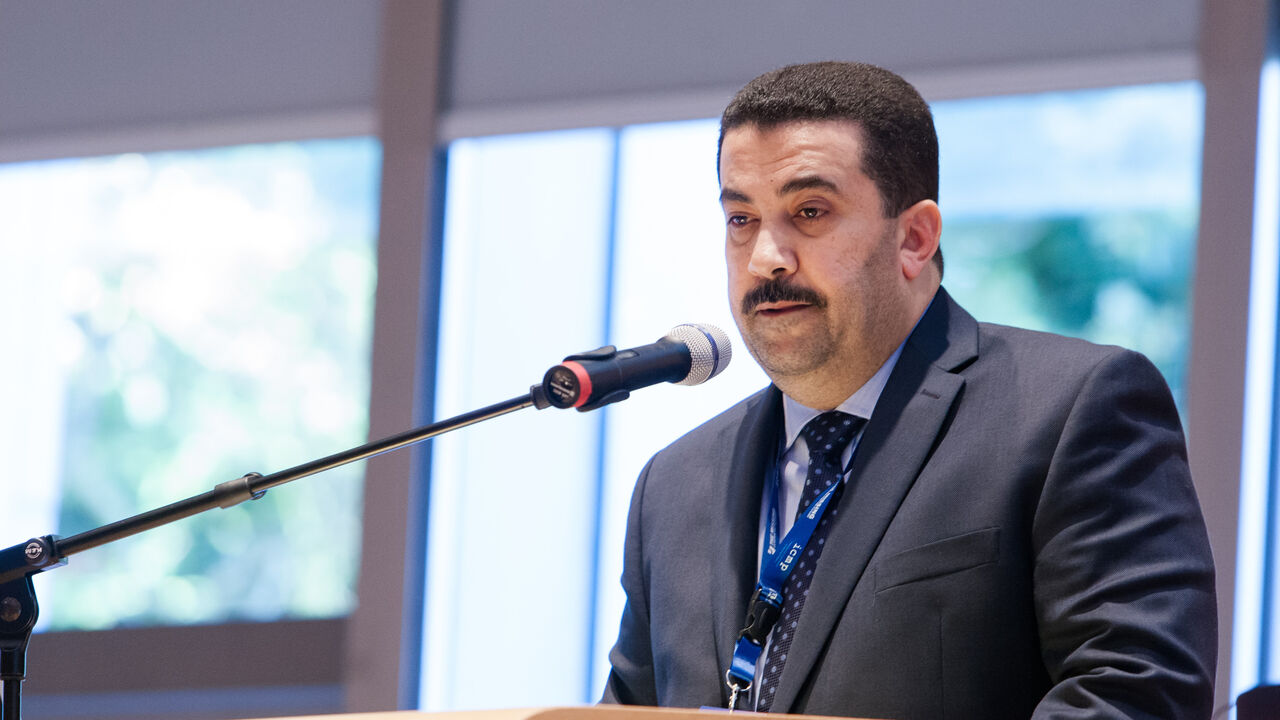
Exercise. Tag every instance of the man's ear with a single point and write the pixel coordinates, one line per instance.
(921, 227)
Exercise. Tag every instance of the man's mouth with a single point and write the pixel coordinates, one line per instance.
(776, 309)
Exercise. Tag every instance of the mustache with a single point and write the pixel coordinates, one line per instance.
(780, 290)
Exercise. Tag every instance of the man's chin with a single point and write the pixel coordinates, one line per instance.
(786, 357)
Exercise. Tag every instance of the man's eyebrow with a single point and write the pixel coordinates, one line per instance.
(807, 183)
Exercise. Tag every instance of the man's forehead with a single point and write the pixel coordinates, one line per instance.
(791, 157)
(792, 131)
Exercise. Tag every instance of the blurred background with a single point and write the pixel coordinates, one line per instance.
(238, 236)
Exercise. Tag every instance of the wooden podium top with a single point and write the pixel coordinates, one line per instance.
(587, 712)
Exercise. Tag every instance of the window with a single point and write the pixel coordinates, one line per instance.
(175, 320)
(1255, 645)
(1070, 212)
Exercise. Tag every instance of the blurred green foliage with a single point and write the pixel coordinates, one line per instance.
(1114, 277)
(1076, 213)
(222, 319)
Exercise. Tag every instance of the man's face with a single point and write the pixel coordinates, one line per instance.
(815, 282)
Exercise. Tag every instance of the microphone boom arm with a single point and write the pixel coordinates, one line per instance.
(19, 608)
(569, 384)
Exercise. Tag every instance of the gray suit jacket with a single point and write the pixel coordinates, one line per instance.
(1019, 538)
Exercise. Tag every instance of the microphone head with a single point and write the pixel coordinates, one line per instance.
(709, 350)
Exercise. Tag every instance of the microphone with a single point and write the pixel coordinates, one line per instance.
(687, 355)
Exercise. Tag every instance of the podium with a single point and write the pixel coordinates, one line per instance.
(586, 712)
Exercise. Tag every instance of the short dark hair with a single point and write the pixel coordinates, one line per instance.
(900, 145)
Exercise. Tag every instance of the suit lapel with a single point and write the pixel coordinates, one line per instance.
(750, 451)
(908, 418)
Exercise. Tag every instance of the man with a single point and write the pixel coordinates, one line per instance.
(1011, 533)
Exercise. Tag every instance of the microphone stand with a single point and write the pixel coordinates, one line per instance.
(18, 607)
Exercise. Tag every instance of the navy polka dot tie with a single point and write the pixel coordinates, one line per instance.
(826, 436)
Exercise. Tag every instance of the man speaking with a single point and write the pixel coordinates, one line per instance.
(923, 516)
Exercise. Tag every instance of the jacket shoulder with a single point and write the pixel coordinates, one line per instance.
(1045, 352)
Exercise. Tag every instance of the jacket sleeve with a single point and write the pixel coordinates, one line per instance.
(631, 679)
(1123, 576)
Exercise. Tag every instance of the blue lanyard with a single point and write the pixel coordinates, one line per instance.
(776, 563)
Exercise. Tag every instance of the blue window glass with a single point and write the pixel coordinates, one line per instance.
(511, 547)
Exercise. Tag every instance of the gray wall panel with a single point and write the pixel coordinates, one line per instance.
(121, 65)
(115, 64)
(568, 50)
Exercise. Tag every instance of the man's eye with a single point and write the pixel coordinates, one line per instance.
(737, 220)
(810, 213)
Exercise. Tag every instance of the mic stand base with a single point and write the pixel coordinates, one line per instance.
(18, 613)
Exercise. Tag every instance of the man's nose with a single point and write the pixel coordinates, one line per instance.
(772, 255)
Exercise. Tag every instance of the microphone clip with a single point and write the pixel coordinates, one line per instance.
(566, 385)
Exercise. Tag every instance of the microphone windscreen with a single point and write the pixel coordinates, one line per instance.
(709, 350)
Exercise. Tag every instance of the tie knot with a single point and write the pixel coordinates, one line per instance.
(830, 432)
